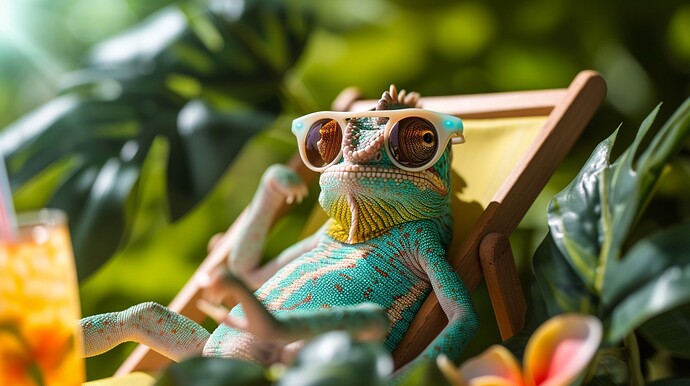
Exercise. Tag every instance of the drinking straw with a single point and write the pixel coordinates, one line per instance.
(8, 219)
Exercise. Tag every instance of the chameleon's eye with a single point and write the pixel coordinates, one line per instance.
(323, 142)
(413, 141)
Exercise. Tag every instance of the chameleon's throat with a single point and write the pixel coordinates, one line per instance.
(354, 216)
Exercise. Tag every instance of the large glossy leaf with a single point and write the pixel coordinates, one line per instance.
(561, 288)
(424, 373)
(213, 372)
(670, 331)
(102, 210)
(671, 382)
(611, 371)
(148, 209)
(653, 277)
(575, 216)
(334, 358)
(203, 76)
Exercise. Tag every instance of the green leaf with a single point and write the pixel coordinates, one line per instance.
(148, 209)
(334, 358)
(666, 143)
(37, 192)
(671, 382)
(610, 371)
(670, 331)
(563, 290)
(102, 211)
(425, 373)
(203, 129)
(213, 371)
(574, 215)
(653, 277)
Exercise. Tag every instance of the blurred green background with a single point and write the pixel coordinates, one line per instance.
(150, 122)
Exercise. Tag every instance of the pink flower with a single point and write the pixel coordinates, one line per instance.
(555, 355)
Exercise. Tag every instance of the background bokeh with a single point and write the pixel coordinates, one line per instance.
(176, 107)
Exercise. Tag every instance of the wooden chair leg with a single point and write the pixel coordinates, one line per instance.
(503, 283)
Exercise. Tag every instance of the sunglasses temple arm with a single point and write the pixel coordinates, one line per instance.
(458, 139)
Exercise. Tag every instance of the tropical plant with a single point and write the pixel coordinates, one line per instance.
(187, 87)
(593, 262)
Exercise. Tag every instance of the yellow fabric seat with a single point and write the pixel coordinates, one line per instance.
(132, 379)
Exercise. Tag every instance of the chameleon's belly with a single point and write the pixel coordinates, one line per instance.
(336, 274)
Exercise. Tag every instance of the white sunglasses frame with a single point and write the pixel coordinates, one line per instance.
(448, 127)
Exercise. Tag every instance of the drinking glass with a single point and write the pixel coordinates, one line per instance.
(39, 304)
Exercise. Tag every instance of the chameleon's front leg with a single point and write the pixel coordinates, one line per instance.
(279, 184)
(164, 331)
(455, 300)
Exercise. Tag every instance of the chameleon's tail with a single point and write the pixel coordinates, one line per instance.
(166, 332)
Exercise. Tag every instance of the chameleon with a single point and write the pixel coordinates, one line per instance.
(385, 185)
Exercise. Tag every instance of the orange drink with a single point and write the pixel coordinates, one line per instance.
(39, 305)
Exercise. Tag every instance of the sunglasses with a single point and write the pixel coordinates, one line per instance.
(414, 139)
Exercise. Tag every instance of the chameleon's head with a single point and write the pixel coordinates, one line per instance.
(382, 167)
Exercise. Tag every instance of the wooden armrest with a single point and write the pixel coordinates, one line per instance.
(503, 283)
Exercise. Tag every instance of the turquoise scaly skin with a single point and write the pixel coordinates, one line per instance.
(367, 271)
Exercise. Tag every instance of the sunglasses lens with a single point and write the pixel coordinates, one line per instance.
(413, 141)
(323, 142)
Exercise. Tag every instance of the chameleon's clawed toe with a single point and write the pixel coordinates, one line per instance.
(292, 193)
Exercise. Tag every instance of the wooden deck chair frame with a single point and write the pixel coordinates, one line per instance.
(486, 251)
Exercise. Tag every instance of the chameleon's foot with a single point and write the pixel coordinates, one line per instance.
(218, 295)
(258, 320)
(281, 181)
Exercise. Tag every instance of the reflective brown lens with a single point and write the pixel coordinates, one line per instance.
(323, 142)
(413, 141)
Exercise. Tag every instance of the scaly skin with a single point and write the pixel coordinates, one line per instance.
(367, 271)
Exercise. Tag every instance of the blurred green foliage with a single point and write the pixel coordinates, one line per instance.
(174, 98)
(435, 47)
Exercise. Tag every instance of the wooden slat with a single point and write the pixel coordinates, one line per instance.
(505, 290)
(492, 105)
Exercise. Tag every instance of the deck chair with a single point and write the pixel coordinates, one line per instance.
(515, 141)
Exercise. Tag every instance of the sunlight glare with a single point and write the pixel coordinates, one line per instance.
(14, 39)
(7, 20)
